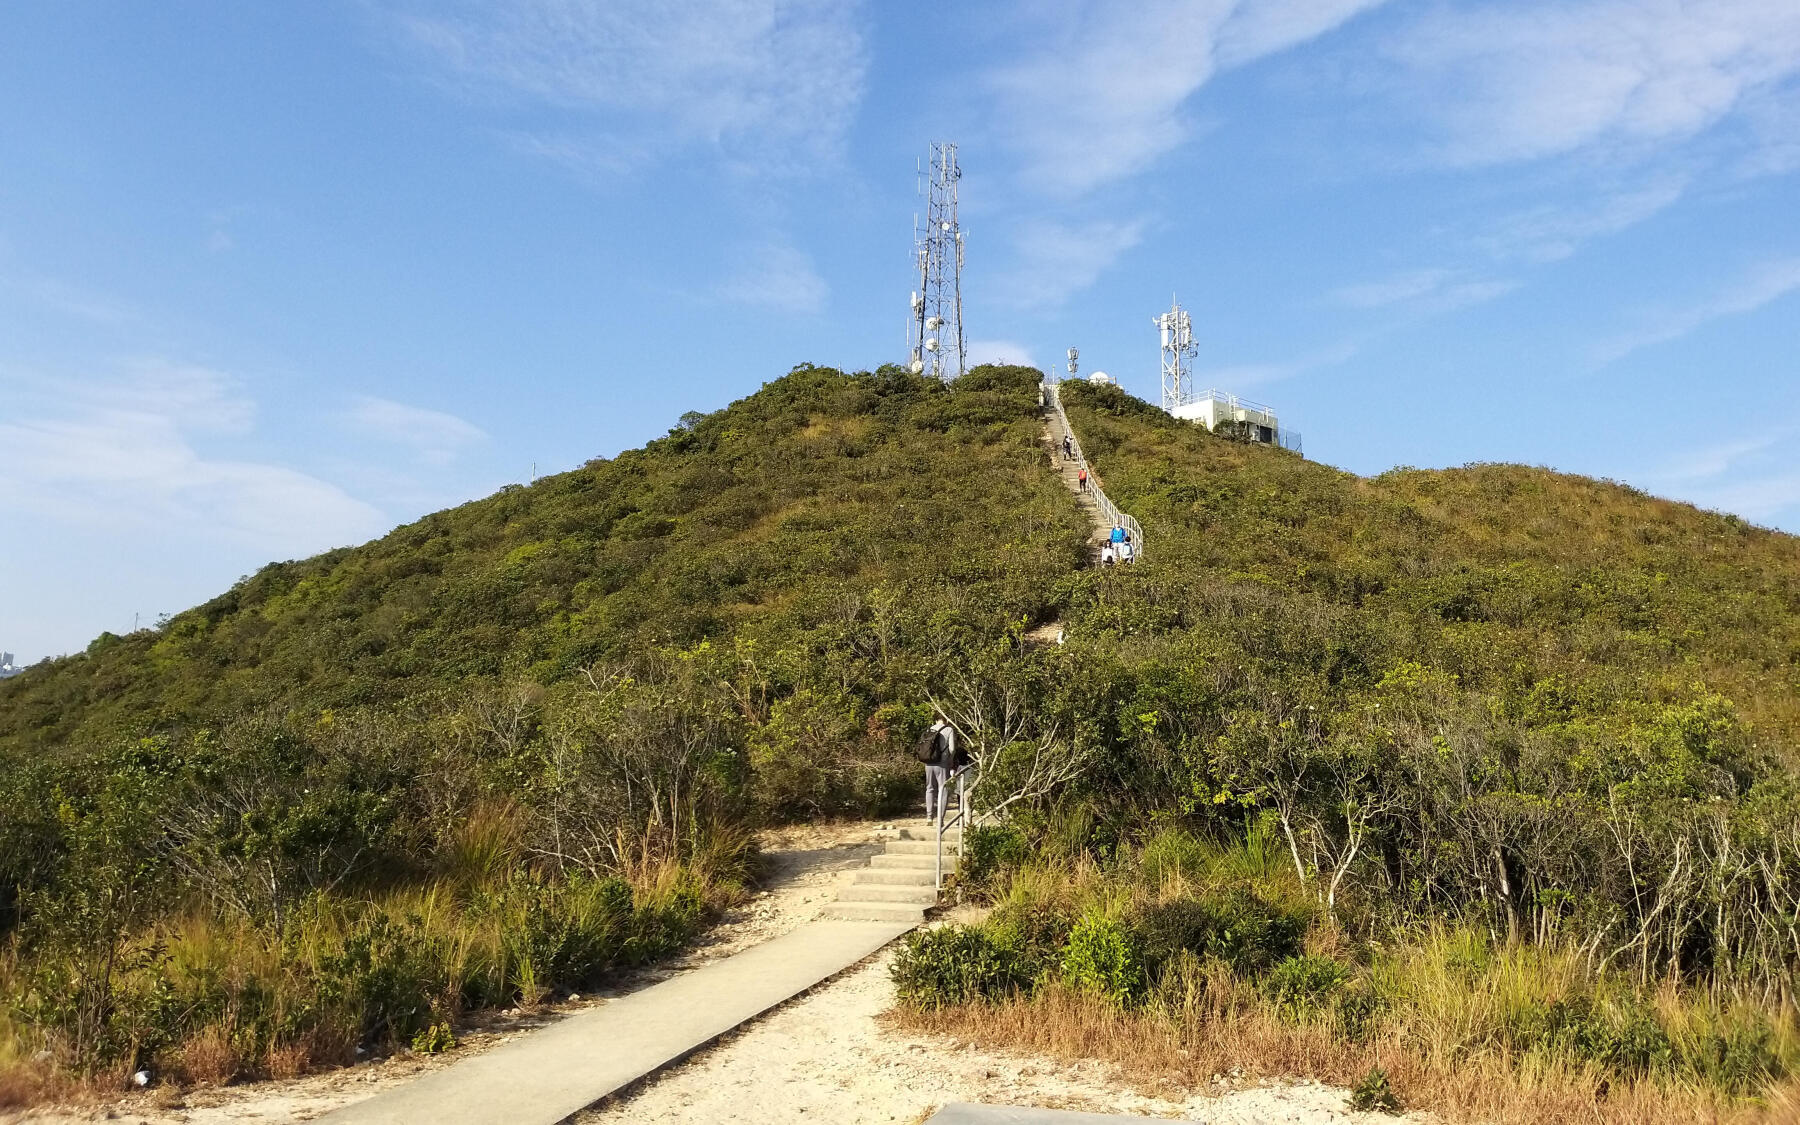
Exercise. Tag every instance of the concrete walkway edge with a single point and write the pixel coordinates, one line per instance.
(557, 1071)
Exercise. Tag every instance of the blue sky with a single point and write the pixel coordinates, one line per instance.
(275, 278)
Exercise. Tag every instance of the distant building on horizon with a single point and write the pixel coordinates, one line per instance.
(7, 667)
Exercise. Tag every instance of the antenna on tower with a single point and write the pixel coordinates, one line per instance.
(1177, 333)
(935, 330)
(1074, 362)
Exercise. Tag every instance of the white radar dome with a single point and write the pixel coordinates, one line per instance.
(1100, 377)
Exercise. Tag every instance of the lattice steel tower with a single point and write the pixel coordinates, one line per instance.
(935, 331)
(1178, 350)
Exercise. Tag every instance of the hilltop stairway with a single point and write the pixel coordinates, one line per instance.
(1101, 512)
(900, 884)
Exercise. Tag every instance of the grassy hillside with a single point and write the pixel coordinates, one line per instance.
(510, 747)
(786, 519)
(1528, 736)
(1474, 785)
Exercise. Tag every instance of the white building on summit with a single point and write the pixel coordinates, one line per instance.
(1253, 421)
(7, 667)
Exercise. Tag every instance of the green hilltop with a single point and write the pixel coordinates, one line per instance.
(522, 742)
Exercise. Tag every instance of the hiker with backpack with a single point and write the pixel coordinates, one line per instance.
(1083, 478)
(945, 757)
(1068, 448)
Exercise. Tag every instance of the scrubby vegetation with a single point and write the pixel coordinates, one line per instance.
(509, 748)
(1471, 789)
(1503, 761)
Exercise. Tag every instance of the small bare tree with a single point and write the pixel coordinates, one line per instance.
(1018, 754)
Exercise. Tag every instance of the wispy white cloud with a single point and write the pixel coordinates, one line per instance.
(1554, 231)
(120, 452)
(1527, 79)
(780, 77)
(1718, 459)
(1099, 98)
(778, 277)
(1764, 283)
(1057, 260)
(1391, 290)
(1425, 291)
(1238, 376)
(999, 351)
(433, 436)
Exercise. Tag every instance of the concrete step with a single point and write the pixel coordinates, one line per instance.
(913, 847)
(927, 833)
(894, 877)
(921, 895)
(874, 912)
(924, 861)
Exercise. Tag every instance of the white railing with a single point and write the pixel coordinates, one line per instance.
(1114, 515)
(1232, 401)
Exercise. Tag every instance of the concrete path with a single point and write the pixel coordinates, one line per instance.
(551, 1074)
(964, 1113)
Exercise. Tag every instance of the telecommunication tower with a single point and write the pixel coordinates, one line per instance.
(1178, 350)
(935, 330)
(1074, 361)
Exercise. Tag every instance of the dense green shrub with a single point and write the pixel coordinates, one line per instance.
(989, 850)
(1305, 985)
(1236, 926)
(1034, 933)
(1101, 957)
(951, 965)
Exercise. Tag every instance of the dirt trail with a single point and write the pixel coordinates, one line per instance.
(829, 1057)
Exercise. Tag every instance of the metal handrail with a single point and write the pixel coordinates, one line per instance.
(1111, 512)
(962, 816)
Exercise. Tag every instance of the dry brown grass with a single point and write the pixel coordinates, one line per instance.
(1166, 1055)
(208, 1058)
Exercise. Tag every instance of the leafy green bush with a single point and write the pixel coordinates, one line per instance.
(1101, 957)
(1236, 926)
(989, 850)
(1302, 986)
(1623, 1036)
(1034, 933)
(951, 965)
(1356, 1009)
(1373, 1093)
(434, 1040)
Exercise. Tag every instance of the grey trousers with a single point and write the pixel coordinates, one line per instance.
(937, 789)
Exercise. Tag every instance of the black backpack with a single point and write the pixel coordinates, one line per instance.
(929, 747)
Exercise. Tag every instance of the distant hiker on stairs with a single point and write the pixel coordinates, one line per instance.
(1068, 448)
(1082, 477)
